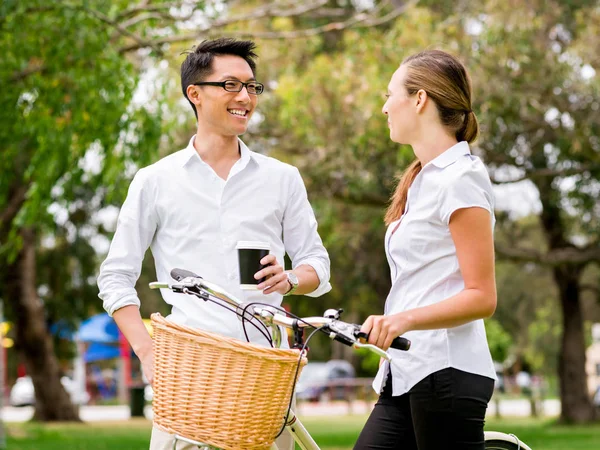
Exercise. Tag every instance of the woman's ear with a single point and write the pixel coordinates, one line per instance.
(421, 97)
(193, 94)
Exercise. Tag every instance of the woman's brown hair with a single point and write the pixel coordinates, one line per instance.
(447, 83)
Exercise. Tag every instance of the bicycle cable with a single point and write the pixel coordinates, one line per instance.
(278, 308)
(219, 302)
(302, 352)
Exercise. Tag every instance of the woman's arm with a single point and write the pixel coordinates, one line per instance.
(471, 231)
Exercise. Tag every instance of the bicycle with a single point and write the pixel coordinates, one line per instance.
(271, 319)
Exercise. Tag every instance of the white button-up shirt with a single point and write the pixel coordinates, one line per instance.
(424, 269)
(192, 219)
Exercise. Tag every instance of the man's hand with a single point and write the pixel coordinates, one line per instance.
(130, 323)
(147, 359)
(276, 277)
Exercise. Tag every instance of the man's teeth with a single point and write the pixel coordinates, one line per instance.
(238, 112)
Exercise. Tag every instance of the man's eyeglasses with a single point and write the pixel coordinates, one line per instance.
(235, 86)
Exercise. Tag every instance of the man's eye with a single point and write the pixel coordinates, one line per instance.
(231, 84)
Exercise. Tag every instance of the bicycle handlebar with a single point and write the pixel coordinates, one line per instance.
(346, 333)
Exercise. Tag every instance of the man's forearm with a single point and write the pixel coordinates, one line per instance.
(308, 280)
(129, 321)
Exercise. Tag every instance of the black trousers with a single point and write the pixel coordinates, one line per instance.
(445, 410)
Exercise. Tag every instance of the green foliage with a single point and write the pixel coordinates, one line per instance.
(369, 362)
(537, 99)
(544, 336)
(499, 340)
(70, 136)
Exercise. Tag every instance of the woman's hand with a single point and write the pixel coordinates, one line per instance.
(276, 281)
(382, 330)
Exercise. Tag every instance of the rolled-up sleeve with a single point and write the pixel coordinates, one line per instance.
(301, 238)
(136, 226)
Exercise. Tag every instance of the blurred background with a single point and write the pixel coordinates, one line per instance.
(91, 93)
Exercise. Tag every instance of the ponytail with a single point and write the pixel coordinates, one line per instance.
(398, 202)
(470, 129)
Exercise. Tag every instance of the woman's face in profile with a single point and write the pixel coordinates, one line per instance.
(400, 109)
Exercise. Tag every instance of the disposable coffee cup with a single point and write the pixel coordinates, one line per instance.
(249, 255)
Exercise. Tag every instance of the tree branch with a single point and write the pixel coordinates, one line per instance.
(141, 18)
(360, 19)
(269, 10)
(278, 11)
(590, 287)
(36, 67)
(554, 257)
(123, 31)
(17, 198)
(141, 43)
(144, 7)
(543, 173)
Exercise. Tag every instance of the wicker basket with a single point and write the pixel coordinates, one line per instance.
(218, 390)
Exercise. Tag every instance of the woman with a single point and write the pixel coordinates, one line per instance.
(439, 246)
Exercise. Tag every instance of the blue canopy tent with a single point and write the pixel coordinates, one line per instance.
(100, 328)
(98, 352)
(101, 334)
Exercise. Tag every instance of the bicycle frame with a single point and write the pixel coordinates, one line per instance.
(293, 425)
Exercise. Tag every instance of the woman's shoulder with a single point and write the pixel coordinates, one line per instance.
(467, 169)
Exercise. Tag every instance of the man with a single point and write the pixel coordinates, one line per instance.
(193, 206)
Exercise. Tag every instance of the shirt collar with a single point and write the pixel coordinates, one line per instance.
(451, 155)
(190, 152)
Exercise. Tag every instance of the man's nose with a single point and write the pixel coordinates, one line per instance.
(243, 96)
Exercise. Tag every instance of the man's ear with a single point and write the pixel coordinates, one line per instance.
(193, 94)
(422, 98)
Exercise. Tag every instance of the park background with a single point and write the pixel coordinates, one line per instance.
(90, 93)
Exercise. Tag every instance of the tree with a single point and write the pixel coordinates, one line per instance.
(69, 98)
(538, 101)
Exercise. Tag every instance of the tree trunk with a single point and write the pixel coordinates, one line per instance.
(576, 405)
(32, 337)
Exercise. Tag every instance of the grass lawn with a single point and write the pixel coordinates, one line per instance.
(331, 433)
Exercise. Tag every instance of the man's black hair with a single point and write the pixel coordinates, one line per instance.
(198, 63)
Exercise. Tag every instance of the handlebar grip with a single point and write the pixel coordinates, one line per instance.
(400, 343)
(180, 274)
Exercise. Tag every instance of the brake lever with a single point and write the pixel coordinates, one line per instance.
(180, 288)
(385, 355)
(399, 343)
(188, 282)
